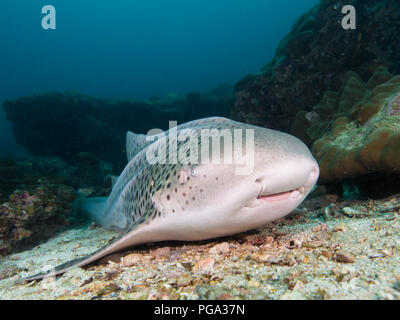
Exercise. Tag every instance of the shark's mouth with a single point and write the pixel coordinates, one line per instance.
(275, 197)
(281, 196)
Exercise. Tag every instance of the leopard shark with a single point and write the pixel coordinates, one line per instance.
(172, 199)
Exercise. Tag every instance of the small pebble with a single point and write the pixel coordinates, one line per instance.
(321, 228)
(205, 265)
(131, 260)
(312, 244)
(377, 255)
(344, 257)
(326, 253)
(340, 228)
(220, 248)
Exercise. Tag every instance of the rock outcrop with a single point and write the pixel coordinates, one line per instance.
(355, 132)
(315, 57)
(67, 124)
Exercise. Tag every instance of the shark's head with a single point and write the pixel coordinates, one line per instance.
(284, 174)
(214, 200)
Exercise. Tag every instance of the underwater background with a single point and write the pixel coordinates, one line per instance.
(69, 95)
(136, 49)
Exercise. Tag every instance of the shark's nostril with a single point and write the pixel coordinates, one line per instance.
(259, 182)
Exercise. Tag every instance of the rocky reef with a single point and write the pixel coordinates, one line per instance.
(40, 196)
(315, 57)
(29, 217)
(67, 124)
(355, 132)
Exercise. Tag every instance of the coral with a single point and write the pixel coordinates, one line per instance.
(394, 106)
(315, 57)
(40, 195)
(29, 217)
(356, 131)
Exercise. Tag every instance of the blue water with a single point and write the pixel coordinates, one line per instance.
(136, 48)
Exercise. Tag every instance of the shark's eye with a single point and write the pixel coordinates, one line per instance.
(194, 172)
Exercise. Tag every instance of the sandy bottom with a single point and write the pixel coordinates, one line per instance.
(324, 251)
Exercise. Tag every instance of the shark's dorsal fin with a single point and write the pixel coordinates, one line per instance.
(134, 144)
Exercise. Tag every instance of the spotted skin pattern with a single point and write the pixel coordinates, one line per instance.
(140, 182)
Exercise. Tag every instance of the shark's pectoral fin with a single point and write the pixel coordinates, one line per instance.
(95, 208)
